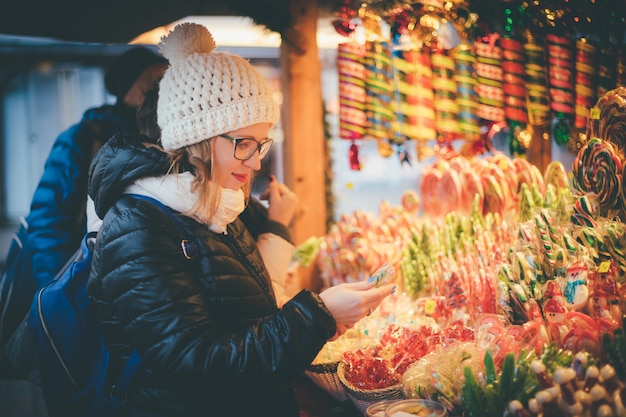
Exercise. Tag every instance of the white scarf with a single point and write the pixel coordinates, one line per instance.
(175, 192)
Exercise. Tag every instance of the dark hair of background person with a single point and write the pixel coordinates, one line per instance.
(147, 114)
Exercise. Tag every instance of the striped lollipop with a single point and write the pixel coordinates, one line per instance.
(598, 169)
(607, 120)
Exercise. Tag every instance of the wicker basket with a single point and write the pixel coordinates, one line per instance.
(324, 375)
(364, 398)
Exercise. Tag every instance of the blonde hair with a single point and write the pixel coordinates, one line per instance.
(198, 158)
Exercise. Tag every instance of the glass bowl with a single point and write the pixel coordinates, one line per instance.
(416, 407)
(378, 409)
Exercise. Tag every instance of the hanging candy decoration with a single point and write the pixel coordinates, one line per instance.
(489, 78)
(344, 27)
(585, 89)
(514, 87)
(446, 108)
(399, 20)
(352, 96)
(536, 72)
(466, 97)
(419, 105)
(399, 122)
(607, 66)
(379, 88)
(561, 82)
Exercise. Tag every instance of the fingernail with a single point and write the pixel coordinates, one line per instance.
(371, 279)
(393, 290)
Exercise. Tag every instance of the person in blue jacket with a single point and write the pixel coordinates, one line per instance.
(57, 221)
(212, 337)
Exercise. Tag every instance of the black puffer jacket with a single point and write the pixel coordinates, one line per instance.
(212, 339)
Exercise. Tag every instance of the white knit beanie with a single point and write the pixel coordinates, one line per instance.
(205, 93)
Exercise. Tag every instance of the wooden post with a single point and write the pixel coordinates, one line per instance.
(540, 149)
(302, 120)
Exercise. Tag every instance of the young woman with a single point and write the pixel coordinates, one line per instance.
(212, 338)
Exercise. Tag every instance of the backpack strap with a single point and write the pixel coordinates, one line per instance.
(189, 248)
(120, 388)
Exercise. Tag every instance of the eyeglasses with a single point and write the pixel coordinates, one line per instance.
(244, 148)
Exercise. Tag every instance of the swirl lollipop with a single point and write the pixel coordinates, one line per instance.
(607, 120)
(597, 169)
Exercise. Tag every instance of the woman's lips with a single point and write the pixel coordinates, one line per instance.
(241, 177)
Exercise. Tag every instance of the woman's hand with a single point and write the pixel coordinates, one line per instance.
(282, 202)
(350, 302)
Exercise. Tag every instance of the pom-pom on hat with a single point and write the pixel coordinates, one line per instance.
(126, 69)
(206, 93)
